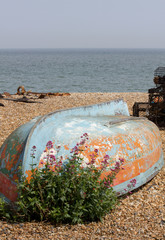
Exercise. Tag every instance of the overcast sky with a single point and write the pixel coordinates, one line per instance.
(82, 23)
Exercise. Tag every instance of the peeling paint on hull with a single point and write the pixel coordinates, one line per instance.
(111, 130)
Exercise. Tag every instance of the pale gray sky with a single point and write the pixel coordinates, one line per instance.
(82, 24)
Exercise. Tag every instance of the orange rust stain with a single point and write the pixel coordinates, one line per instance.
(66, 147)
(29, 173)
(149, 153)
(101, 145)
(125, 144)
(133, 169)
(134, 164)
(9, 165)
(13, 159)
(3, 154)
(15, 177)
(19, 148)
(40, 164)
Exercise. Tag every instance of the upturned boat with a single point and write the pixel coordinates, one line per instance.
(111, 130)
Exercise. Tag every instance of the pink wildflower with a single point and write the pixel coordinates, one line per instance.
(133, 182)
(52, 157)
(49, 145)
(85, 134)
(75, 150)
(105, 160)
(82, 142)
(121, 160)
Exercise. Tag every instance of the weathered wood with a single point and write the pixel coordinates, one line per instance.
(23, 99)
(137, 140)
(48, 94)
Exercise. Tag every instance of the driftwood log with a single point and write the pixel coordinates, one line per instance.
(23, 99)
(21, 91)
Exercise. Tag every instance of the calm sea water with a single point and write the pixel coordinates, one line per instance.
(79, 70)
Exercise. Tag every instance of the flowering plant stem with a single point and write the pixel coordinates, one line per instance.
(67, 192)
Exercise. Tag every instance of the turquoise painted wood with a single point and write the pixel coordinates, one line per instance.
(111, 130)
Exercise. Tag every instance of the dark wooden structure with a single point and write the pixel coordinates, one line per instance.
(154, 109)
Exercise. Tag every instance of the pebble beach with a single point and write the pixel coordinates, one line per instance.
(140, 215)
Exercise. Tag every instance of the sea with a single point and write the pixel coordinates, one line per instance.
(79, 70)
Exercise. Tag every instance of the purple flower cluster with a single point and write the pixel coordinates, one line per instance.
(85, 135)
(117, 165)
(50, 159)
(115, 169)
(49, 145)
(107, 184)
(55, 163)
(33, 152)
(76, 149)
(130, 185)
(93, 159)
(133, 182)
(105, 163)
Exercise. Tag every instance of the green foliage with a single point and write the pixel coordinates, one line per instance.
(7, 211)
(68, 193)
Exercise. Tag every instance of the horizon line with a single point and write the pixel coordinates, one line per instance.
(47, 48)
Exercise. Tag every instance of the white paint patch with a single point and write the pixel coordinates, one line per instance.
(59, 132)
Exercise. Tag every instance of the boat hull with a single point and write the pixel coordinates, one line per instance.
(111, 130)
